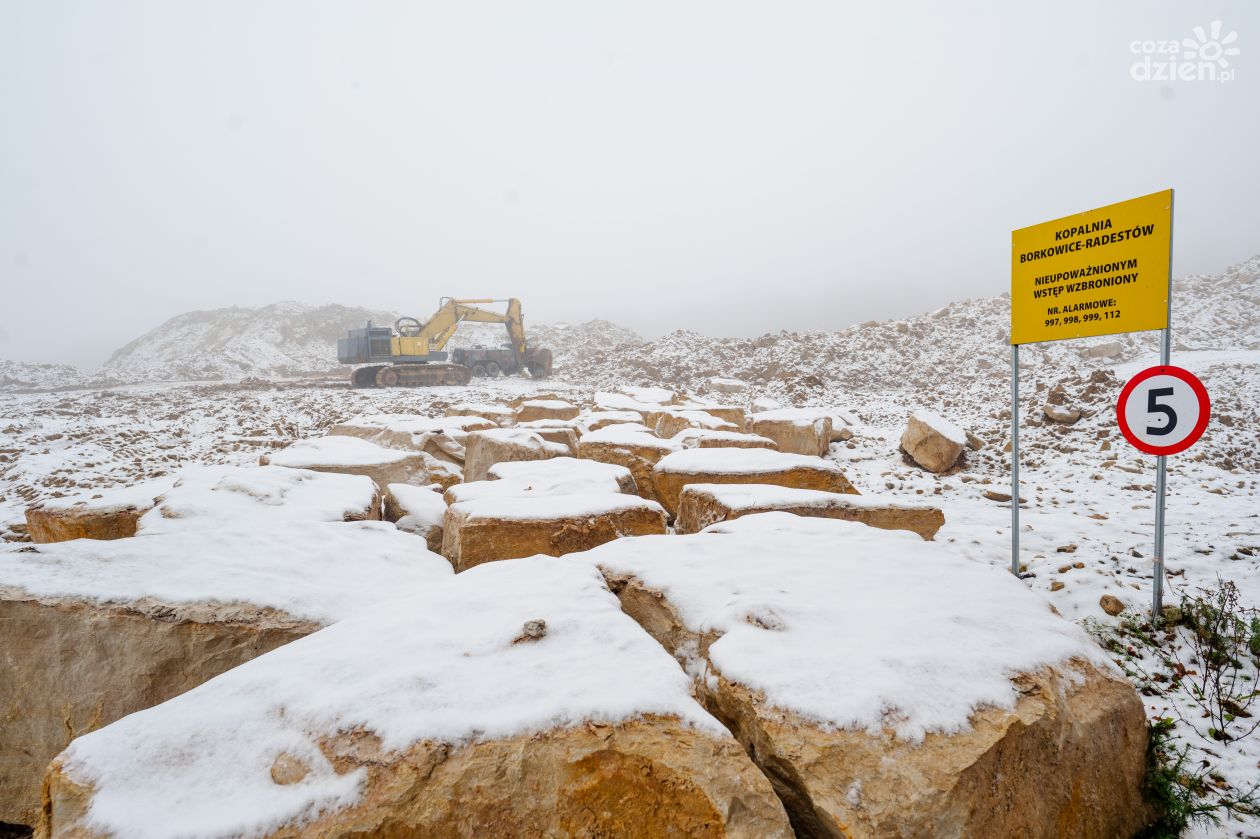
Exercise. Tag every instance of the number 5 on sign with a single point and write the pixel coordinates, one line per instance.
(1163, 410)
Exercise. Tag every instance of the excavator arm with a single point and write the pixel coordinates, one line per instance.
(439, 328)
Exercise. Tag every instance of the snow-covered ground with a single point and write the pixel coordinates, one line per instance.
(1087, 523)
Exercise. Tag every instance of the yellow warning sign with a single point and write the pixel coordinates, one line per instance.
(1094, 273)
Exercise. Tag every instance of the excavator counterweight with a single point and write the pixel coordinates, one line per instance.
(412, 354)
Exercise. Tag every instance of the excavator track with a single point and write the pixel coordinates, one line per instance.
(410, 375)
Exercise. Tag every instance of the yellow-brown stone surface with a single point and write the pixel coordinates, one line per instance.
(71, 667)
(1068, 760)
(704, 504)
(60, 524)
(493, 529)
(504, 445)
(794, 433)
(641, 779)
(632, 447)
(545, 409)
(743, 466)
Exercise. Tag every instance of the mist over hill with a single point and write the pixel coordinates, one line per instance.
(964, 343)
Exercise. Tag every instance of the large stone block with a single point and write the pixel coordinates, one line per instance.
(355, 456)
(92, 631)
(498, 414)
(442, 437)
(486, 448)
(932, 441)
(703, 438)
(596, 420)
(563, 432)
(704, 504)
(238, 498)
(795, 430)
(545, 409)
(535, 478)
(734, 414)
(564, 476)
(111, 514)
(670, 421)
(744, 466)
(606, 401)
(427, 717)
(507, 527)
(1013, 724)
(631, 446)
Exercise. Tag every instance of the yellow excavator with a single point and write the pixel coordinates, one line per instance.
(413, 354)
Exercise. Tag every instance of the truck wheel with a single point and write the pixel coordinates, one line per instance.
(537, 371)
(493, 370)
(479, 370)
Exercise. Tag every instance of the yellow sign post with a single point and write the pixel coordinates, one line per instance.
(1099, 272)
(1094, 273)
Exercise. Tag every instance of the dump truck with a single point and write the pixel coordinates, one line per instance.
(413, 354)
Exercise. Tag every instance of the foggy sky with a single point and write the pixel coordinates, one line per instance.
(730, 167)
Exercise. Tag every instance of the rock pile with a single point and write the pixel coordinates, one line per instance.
(356, 687)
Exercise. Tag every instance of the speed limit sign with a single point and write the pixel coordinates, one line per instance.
(1163, 410)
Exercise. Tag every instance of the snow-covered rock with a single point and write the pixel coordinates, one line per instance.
(94, 630)
(563, 432)
(704, 504)
(484, 449)
(932, 441)
(734, 414)
(795, 430)
(606, 401)
(562, 476)
(743, 466)
(355, 456)
(545, 409)
(568, 476)
(498, 414)
(1110, 349)
(1062, 414)
(442, 437)
(669, 422)
(516, 700)
(497, 527)
(629, 445)
(595, 420)
(418, 510)
(878, 706)
(259, 498)
(703, 438)
(112, 514)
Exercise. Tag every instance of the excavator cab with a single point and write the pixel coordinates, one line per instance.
(363, 346)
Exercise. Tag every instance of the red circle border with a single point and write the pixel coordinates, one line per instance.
(1200, 392)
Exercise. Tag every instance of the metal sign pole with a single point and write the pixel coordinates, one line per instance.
(1161, 462)
(1015, 459)
(1161, 485)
